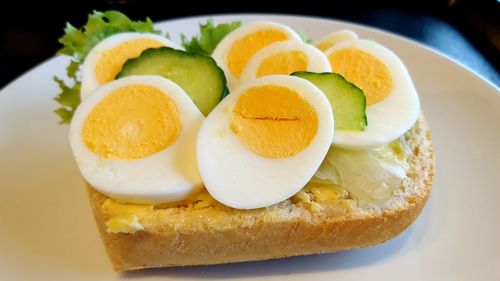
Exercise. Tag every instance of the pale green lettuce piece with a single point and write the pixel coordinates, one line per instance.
(369, 175)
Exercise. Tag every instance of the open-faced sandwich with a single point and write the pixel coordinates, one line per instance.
(244, 143)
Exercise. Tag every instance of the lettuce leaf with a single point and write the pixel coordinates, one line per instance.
(371, 175)
(77, 43)
(305, 37)
(210, 36)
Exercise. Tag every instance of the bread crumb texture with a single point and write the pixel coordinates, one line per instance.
(319, 218)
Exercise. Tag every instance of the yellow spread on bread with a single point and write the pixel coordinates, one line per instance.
(125, 217)
(314, 198)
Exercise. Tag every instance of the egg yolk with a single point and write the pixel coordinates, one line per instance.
(283, 63)
(132, 122)
(325, 45)
(244, 48)
(112, 60)
(274, 121)
(365, 71)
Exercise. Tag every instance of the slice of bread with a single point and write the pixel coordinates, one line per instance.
(201, 231)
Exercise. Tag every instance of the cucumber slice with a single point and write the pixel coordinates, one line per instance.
(198, 75)
(347, 100)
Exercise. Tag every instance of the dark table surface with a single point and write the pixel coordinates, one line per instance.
(466, 31)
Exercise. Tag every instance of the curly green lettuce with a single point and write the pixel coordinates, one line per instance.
(210, 36)
(305, 37)
(77, 43)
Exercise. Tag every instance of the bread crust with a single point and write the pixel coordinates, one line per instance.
(267, 239)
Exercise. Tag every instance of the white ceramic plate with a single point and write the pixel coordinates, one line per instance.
(47, 230)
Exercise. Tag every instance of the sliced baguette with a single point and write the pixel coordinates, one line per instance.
(211, 234)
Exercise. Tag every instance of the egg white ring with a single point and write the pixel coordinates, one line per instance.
(222, 50)
(317, 61)
(240, 178)
(337, 37)
(148, 179)
(391, 117)
(89, 79)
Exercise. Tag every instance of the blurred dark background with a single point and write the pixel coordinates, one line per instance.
(467, 31)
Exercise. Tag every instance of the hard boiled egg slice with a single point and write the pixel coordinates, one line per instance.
(264, 141)
(237, 48)
(134, 140)
(392, 104)
(285, 57)
(106, 59)
(334, 38)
